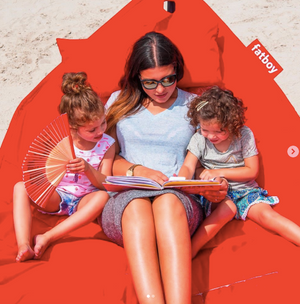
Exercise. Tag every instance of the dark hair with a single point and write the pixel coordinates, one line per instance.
(221, 105)
(150, 51)
(80, 101)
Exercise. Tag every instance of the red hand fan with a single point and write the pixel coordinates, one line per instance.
(44, 165)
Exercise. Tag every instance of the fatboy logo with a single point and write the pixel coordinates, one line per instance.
(272, 67)
(264, 58)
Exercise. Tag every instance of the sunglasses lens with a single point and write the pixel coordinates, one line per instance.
(168, 81)
(149, 84)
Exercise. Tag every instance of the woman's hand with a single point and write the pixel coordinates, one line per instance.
(216, 196)
(150, 173)
(77, 165)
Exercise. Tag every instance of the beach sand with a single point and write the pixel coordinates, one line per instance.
(29, 28)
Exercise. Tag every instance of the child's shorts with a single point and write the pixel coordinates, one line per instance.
(244, 199)
(68, 204)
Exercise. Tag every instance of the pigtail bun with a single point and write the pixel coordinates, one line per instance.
(81, 103)
(74, 83)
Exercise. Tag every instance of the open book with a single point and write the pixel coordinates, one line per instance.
(121, 183)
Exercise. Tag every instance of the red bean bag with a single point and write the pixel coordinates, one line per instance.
(243, 263)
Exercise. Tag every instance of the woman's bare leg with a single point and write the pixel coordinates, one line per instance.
(141, 250)
(222, 214)
(267, 217)
(89, 209)
(174, 248)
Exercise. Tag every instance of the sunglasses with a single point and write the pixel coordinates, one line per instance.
(151, 84)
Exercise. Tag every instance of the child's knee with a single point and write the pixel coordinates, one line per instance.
(231, 208)
(102, 195)
(268, 215)
(100, 198)
(18, 187)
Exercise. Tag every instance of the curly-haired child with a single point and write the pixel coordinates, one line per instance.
(226, 148)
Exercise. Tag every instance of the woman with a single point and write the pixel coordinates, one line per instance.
(147, 118)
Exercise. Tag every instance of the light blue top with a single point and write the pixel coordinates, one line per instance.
(156, 141)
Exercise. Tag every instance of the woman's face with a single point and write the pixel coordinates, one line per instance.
(160, 94)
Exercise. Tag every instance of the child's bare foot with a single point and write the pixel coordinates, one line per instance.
(25, 253)
(41, 244)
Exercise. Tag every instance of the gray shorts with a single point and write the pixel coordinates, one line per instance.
(111, 218)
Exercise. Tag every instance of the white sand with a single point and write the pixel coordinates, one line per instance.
(276, 24)
(29, 28)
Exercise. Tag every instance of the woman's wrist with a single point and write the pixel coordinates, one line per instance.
(137, 170)
(131, 169)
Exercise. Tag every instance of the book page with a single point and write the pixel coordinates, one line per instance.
(121, 183)
(133, 181)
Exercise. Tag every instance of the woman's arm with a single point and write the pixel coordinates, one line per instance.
(120, 164)
(240, 174)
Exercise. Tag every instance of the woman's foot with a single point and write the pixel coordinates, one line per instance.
(41, 244)
(25, 253)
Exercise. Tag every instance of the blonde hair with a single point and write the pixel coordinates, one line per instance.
(80, 101)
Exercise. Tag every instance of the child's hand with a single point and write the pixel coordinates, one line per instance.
(208, 174)
(77, 165)
(217, 196)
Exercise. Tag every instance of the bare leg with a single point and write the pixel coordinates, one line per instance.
(89, 208)
(174, 248)
(140, 246)
(267, 217)
(223, 213)
(22, 222)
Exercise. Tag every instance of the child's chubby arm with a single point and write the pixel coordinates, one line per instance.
(189, 165)
(96, 177)
(240, 174)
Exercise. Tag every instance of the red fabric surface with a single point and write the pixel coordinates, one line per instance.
(243, 263)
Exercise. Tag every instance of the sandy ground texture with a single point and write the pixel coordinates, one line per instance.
(29, 28)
